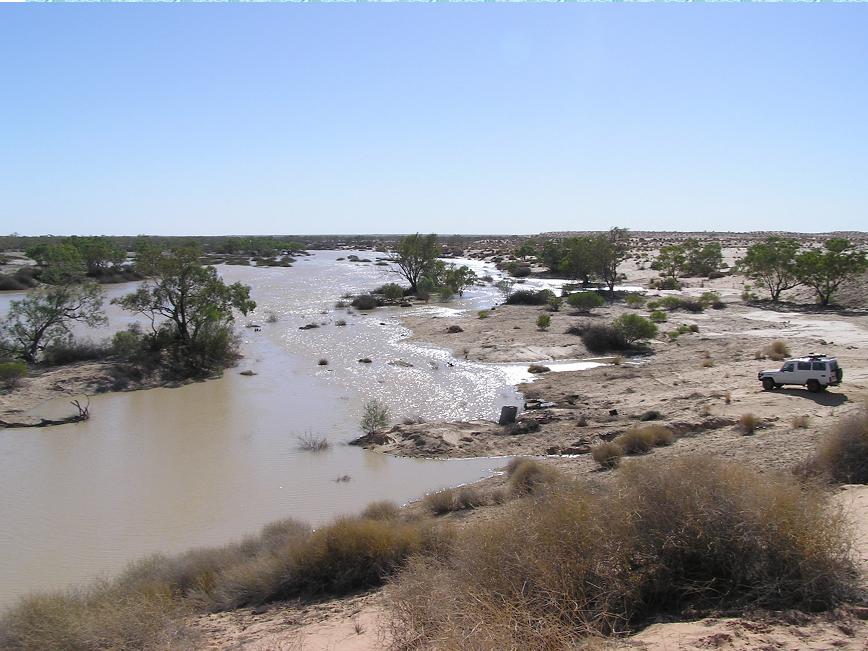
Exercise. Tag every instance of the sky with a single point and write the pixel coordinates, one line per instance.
(216, 119)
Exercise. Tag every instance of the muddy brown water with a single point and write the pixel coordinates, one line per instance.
(166, 470)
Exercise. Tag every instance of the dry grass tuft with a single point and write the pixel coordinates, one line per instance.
(527, 476)
(639, 440)
(777, 350)
(608, 454)
(384, 510)
(800, 422)
(748, 423)
(842, 455)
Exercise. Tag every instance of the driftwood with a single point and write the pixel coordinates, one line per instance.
(83, 414)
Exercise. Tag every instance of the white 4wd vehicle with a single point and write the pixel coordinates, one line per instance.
(814, 371)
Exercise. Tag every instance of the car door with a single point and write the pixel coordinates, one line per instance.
(803, 372)
(820, 371)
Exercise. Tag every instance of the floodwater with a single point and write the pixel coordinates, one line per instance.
(165, 470)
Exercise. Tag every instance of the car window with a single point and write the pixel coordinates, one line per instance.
(818, 366)
(834, 364)
(787, 367)
(804, 366)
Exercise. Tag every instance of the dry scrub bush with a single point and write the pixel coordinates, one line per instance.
(842, 455)
(143, 608)
(608, 454)
(354, 553)
(309, 442)
(692, 535)
(747, 423)
(384, 510)
(777, 350)
(527, 476)
(97, 618)
(800, 422)
(455, 499)
(639, 440)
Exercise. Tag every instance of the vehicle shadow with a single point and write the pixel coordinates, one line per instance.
(824, 398)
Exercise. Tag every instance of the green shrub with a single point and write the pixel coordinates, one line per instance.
(392, 291)
(365, 302)
(530, 297)
(71, 351)
(483, 314)
(634, 328)
(658, 316)
(585, 301)
(599, 338)
(634, 301)
(11, 373)
(543, 321)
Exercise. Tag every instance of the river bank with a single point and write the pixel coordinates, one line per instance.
(173, 468)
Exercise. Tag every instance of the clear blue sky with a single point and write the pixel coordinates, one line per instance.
(212, 119)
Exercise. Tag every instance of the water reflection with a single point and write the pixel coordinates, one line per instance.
(168, 469)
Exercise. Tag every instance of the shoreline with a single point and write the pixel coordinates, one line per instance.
(44, 386)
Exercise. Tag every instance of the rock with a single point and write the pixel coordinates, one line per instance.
(365, 360)
(309, 326)
(401, 363)
(247, 373)
(454, 328)
(613, 412)
(538, 368)
(507, 415)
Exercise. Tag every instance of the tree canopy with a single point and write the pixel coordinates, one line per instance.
(414, 257)
(44, 316)
(772, 263)
(186, 294)
(826, 269)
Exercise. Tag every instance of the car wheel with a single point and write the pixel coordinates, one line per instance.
(768, 384)
(814, 386)
(778, 386)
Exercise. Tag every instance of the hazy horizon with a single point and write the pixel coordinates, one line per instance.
(460, 119)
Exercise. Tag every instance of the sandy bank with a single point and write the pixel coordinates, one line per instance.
(698, 385)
